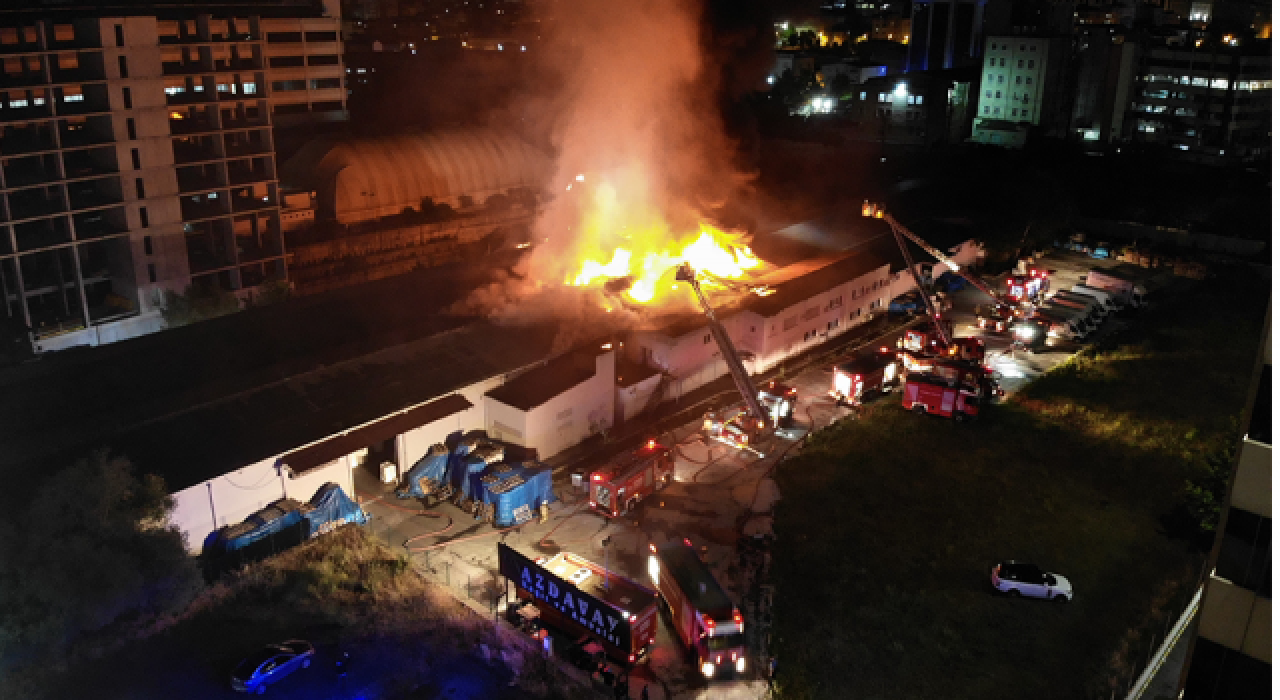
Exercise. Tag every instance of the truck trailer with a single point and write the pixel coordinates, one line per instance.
(618, 486)
(1121, 283)
(705, 620)
(586, 600)
(1103, 296)
(1059, 324)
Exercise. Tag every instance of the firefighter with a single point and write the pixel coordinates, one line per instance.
(544, 511)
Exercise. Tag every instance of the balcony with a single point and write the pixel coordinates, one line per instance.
(34, 235)
(246, 123)
(83, 164)
(180, 127)
(17, 80)
(71, 109)
(83, 74)
(248, 148)
(11, 114)
(192, 180)
(202, 207)
(189, 97)
(244, 175)
(79, 138)
(27, 172)
(243, 204)
(35, 203)
(25, 142)
(229, 66)
(186, 68)
(93, 194)
(193, 153)
(99, 224)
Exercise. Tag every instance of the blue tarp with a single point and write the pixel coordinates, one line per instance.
(432, 467)
(466, 478)
(328, 508)
(517, 494)
(332, 508)
(906, 303)
(278, 516)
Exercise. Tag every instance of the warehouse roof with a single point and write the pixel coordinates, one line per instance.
(541, 384)
(385, 428)
(364, 179)
(814, 279)
(190, 447)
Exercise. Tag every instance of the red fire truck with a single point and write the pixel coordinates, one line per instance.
(968, 348)
(779, 403)
(618, 486)
(703, 616)
(928, 393)
(1027, 288)
(580, 597)
(865, 375)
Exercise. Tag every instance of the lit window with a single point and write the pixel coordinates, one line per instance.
(862, 95)
(249, 88)
(17, 104)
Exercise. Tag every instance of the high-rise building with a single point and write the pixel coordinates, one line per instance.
(1230, 656)
(1209, 99)
(137, 157)
(1106, 64)
(945, 34)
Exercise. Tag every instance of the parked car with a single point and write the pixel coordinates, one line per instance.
(270, 664)
(1015, 578)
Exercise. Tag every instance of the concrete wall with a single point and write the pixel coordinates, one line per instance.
(633, 399)
(564, 421)
(818, 318)
(230, 498)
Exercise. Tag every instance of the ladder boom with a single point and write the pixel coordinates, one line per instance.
(942, 258)
(924, 293)
(739, 373)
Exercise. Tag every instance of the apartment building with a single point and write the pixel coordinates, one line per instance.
(1021, 85)
(137, 156)
(1209, 99)
(1231, 654)
(304, 58)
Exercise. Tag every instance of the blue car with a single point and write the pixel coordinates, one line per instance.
(270, 664)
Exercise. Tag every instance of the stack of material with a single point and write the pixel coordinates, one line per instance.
(519, 493)
(427, 475)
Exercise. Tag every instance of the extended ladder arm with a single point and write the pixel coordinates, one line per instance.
(739, 373)
(924, 293)
(901, 230)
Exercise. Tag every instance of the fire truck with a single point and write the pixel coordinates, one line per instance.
(926, 343)
(704, 618)
(1027, 288)
(929, 393)
(582, 598)
(779, 403)
(618, 486)
(867, 374)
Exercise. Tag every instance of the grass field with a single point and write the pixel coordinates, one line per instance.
(408, 638)
(888, 526)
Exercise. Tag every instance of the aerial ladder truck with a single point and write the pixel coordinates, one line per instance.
(741, 430)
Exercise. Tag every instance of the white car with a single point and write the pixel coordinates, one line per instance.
(1014, 578)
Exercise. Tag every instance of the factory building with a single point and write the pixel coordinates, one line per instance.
(227, 459)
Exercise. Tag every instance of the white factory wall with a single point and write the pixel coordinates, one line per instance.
(567, 419)
(632, 399)
(694, 359)
(505, 423)
(234, 496)
(821, 316)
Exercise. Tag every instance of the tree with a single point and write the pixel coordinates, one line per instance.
(94, 547)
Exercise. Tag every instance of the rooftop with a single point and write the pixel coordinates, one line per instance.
(192, 446)
(541, 384)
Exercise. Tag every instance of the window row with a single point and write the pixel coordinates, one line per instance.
(1005, 47)
(1013, 113)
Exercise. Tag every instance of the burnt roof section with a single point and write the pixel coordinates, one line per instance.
(326, 451)
(189, 447)
(695, 579)
(541, 384)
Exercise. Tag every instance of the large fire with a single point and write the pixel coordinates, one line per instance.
(645, 257)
